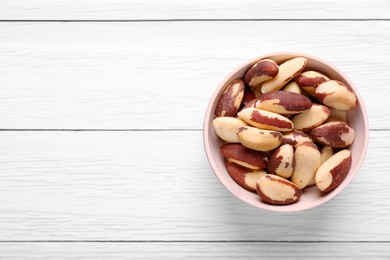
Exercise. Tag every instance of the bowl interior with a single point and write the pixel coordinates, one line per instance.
(312, 197)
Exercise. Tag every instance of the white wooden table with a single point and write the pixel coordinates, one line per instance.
(101, 110)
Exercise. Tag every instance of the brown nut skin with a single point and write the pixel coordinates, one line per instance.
(243, 176)
(311, 118)
(334, 134)
(336, 95)
(309, 81)
(230, 101)
(287, 71)
(333, 171)
(265, 120)
(263, 70)
(251, 104)
(276, 190)
(307, 159)
(243, 156)
(283, 102)
(249, 95)
(296, 138)
(258, 139)
(281, 161)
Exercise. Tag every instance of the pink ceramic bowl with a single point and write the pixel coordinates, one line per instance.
(311, 197)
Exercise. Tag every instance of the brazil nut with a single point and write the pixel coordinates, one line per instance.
(334, 134)
(311, 118)
(243, 176)
(283, 102)
(333, 171)
(281, 161)
(230, 101)
(307, 159)
(287, 71)
(309, 81)
(292, 87)
(258, 139)
(337, 115)
(265, 120)
(296, 138)
(249, 95)
(243, 156)
(326, 152)
(226, 128)
(277, 190)
(337, 95)
(263, 70)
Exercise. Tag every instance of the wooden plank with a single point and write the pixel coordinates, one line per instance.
(194, 250)
(200, 9)
(140, 76)
(159, 186)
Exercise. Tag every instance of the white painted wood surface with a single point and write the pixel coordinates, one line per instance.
(207, 250)
(144, 189)
(199, 9)
(159, 186)
(137, 76)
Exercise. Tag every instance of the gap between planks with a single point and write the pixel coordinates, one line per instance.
(193, 20)
(199, 241)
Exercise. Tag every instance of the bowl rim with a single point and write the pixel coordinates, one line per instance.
(276, 208)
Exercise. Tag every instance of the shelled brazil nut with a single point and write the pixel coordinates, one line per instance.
(282, 127)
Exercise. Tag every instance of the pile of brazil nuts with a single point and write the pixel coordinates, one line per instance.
(285, 128)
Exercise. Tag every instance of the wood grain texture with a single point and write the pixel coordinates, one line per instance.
(139, 76)
(159, 186)
(200, 9)
(154, 190)
(194, 250)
